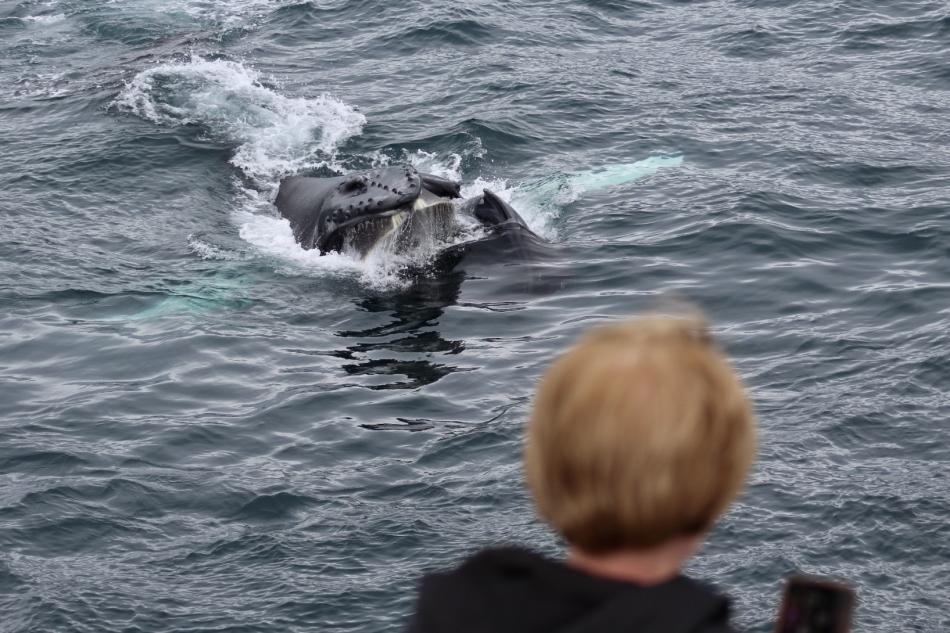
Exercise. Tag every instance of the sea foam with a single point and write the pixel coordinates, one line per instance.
(274, 135)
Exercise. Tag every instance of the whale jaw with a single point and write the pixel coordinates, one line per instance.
(419, 227)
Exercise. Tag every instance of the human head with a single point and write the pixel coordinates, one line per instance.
(640, 433)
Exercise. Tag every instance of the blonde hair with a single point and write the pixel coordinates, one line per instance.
(640, 433)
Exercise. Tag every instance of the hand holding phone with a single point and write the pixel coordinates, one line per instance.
(815, 605)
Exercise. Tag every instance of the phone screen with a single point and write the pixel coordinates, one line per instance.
(815, 605)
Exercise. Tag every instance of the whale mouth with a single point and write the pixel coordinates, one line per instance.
(415, 227)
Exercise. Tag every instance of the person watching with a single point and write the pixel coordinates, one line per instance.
(640, 437)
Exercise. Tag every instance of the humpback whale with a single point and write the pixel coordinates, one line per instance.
(398, 207)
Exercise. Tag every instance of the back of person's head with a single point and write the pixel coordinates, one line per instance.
(640, 433)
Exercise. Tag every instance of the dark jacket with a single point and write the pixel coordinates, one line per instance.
(517, 591)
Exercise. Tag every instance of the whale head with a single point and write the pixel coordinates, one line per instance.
(393, 207)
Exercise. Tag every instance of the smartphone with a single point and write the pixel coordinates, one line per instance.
(811, 604)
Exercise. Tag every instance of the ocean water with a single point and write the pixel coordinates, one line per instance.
(205, 428)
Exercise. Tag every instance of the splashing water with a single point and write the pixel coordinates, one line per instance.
(275, 135)
(448, 167)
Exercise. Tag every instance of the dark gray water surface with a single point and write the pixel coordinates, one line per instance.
(204, 428)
